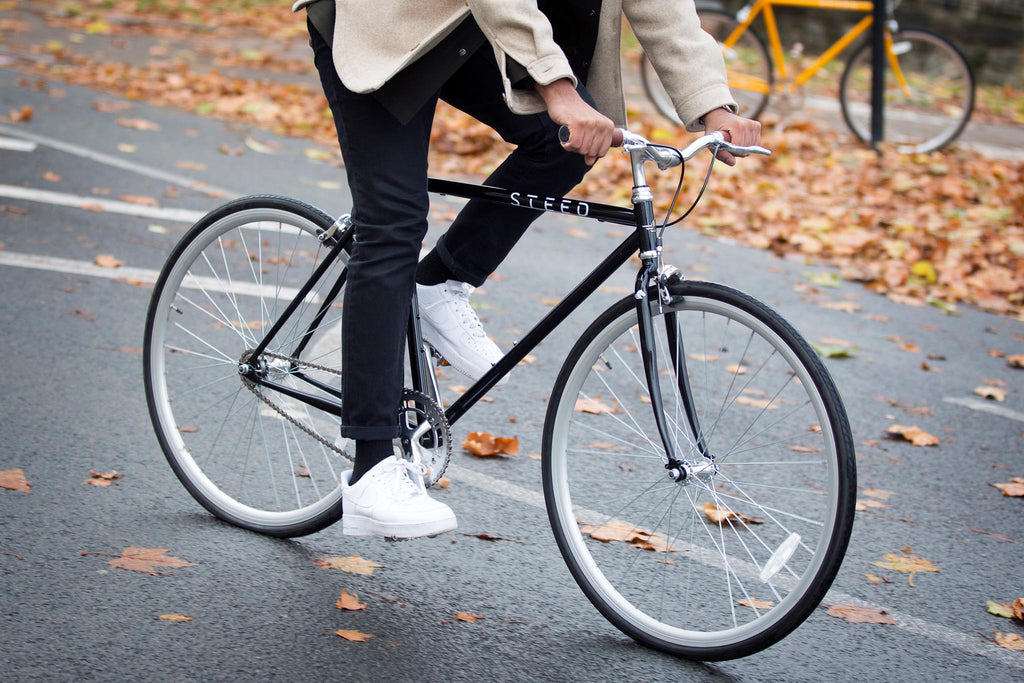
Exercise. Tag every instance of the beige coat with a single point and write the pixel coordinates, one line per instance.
(375, 39)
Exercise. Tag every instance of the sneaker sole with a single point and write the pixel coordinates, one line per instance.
(356, 525)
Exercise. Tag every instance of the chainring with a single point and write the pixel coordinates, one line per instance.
(425, 434)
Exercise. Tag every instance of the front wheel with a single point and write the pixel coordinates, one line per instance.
(253, 456)
(929, 91)
(727, 554)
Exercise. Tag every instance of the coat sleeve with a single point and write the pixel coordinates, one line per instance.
(517, 29)
(687, 60)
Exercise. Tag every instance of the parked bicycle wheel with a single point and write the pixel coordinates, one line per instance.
(747, 64)
(250, 455)
(929, 91)
(734, 556)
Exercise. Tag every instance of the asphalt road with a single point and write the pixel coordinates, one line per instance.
(72, 401)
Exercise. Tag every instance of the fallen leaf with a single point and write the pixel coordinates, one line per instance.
(915, 435)
(1018, 609)
(879, 493)
(617, 530)
(991, 393)
(191, 165)
(1010, 641)
(996, 353)
(188, 429)
(468, 617)
(860, 615)
(51, 176)
(489, 537)
(353, 636)
(257, 146)
(102, 478)
(1013, 488)
(302, 471)
(14, 480)
(592, 405)
(126, 148)
(719, 515)
(352, 564)
(140, 200)
(231, 151)
(484, 445)
(137, 124)
(23, 114)
(832, 351)
(762, 403)
(346, 601)
(863, 505)
(755, 603)
(909, 564)
(1015, 361)
(176, 618)
(145, 560)
(1000, 609)
(877, 580)
(1001, 537)
(107, 261)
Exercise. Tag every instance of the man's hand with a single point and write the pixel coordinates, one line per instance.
(738, 130)
(590, 130)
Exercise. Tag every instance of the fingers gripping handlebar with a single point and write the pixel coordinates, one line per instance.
(667, 157)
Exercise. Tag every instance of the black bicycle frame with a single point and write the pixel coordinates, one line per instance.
(642, 240)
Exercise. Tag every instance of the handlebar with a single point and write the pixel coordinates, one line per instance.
(667, 157)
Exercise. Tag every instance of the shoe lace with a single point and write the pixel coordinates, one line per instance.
(406, 478)
(467, 316)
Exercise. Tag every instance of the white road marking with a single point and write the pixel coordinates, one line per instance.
(139, 275)
(109, 160)
(81, 202)
(15, 145)
(986, 407)
(965, 642)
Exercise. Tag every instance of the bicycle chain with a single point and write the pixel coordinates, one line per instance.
(254, 388)
(415, 395)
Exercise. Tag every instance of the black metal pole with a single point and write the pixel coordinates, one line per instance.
(878, 73)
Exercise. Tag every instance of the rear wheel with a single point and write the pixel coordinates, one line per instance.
(733, 555)
(251, 455)
(929, 91)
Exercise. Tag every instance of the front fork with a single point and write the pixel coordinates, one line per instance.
(649, 274)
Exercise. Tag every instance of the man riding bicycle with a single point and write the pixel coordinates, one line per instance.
(524, 67)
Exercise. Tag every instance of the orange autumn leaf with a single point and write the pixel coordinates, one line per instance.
(484, 445)
(468, 617)
(107, 261)
(353, 636)
(991, 393)
(915, 435)
(138, 124)
(1015, 361)
(617, 530)
(23, 114)
(594, 406)
(1013, 488)
(145, 560)
(176, 618)
(140, 200)
(350, 602)
(1010, 641)
(720, 515)
(51, 176)
(352, 564)
(754, 603)
(860, 615)
(14, 480)
(102, 478)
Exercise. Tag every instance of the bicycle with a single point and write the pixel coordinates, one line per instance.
(929, 86)
(694, 444)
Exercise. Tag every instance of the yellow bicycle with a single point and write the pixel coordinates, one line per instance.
(929, 86)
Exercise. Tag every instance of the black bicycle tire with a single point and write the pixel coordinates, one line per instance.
(866, 45)
(267, 201)
(846, 466)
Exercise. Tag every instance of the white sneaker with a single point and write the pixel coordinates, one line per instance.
(451, 326)
(391, 501)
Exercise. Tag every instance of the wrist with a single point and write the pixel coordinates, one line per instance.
(717, 111)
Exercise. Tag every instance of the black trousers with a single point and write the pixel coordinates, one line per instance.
(386, 164)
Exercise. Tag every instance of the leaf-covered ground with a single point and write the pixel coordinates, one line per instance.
(942, 228)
